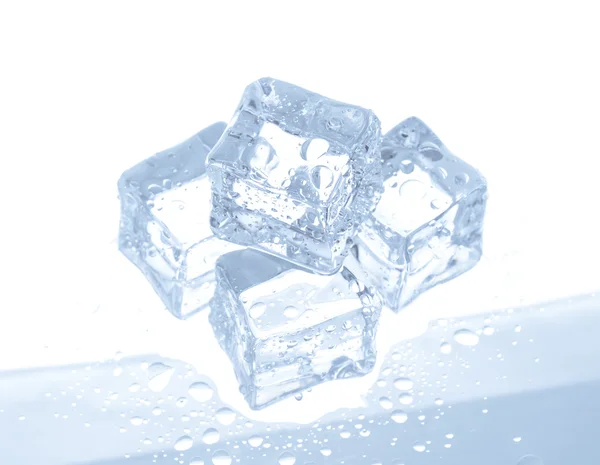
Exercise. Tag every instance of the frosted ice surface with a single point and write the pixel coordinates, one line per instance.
(427, 227)
(295, 174)
(164, 228)
(286, 330)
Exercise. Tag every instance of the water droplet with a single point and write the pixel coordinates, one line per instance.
(438, 401)
(196, 461)
(345, 434)
(461, 179)
(291, 312)
(257, 309)
(147, 441)
(419, 447)
(225, 416)
(326, 452)
(255, 441)
(22, 418)
(407, 166)
(135, 387)
(445, 348)
(159, 376)
(201, 392)
(466, 337)
(386, 403)
(211, 436)
(399, 416)
(405, 399)
(136, 421)
(488, 330)
(530, 460)
(313, 149)
(321, 177)
(403, 384)
(517, 439)
(181, 402)
(156, 411)
(413, 190)
(287, 458)
(184, 443)
(518, 329)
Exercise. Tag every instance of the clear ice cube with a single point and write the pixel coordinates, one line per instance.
(164, 227)
(295, 174)
(286, 330)
(427, 226)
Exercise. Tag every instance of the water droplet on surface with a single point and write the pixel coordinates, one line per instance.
(488, 330)
(345, 434)
(255, 441)
(438, 401)
(466, 337)
(184, 443)
(530, 460)
(221, 457)
(201, 392)
(181, 402)
(136, 421)
(461, 179)
(135, 387)
(517, 439)
(287, 458)
(386, 403)
(211, 436)
(159, 376)
(156, 411)
(419, 447)
(196, 461)
(413, 190)
(407, 166)
(403, 384)
(518, 329)
(405, 399)
(313, 149)
(445, 348)
(291, 312)
(225, 416)
(321, 177)
(257, 310)
(399, 416)
(326, 452)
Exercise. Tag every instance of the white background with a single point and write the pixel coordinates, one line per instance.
(91, 88)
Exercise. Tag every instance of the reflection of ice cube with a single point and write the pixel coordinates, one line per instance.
(427, 227)
(164, 231)
(286, 330)
(294, 174)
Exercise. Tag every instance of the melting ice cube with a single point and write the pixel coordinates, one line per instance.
(295, 174)
(286, 330)
(427, 226)
(164, 229)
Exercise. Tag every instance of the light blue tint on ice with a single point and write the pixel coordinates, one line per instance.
(164, 230)
(286, 330)
(427, 227)
(295, 174)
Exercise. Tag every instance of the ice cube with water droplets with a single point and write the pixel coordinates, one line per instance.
(427, 227)
(164, 228)
(286, 330)
(295, 174)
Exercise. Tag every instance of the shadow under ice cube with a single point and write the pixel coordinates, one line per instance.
(286, 330)
(428, 224)
(295, 174)
(164, 228)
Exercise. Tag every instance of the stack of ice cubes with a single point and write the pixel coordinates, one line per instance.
(296, 223)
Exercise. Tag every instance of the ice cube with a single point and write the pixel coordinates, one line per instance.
(295, 174)
(427, 227)
(164, 228)
(286, 330)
